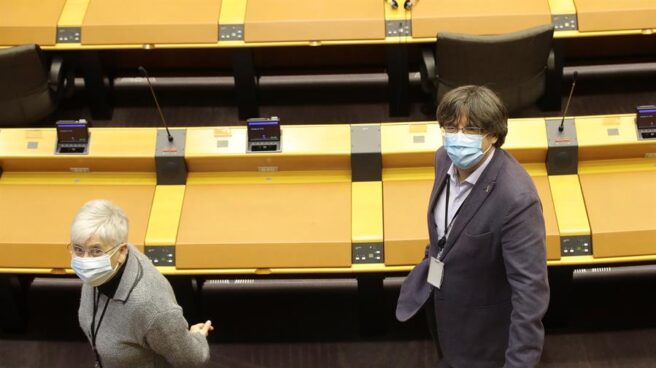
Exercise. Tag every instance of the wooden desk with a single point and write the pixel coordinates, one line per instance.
(116, 22)
(477, 16)
(265, 224)
(36, 212)
(621, 210)
(613, 15)
(29, 21)
(302, 20)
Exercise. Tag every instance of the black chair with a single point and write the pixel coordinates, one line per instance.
(521, 67)
(30, 86)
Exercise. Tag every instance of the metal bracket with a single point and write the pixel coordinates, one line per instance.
(366, 158)
(231, 32)
(580, 245)
(69, 34)
(170, 164)
(398, 28)
(161, 255)
(564, 22)
(562, 152)
(368, 253)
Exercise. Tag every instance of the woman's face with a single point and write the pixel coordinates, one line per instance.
(93, 245)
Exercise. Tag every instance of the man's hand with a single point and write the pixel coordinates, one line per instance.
(202, 328)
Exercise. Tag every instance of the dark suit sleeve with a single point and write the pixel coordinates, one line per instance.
(523, 243)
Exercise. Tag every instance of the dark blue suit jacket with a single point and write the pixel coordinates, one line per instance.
(495, 290)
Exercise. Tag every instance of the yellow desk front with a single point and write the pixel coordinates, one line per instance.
(40, 192)
(408, 174)
(267, 210)
(302, 20)
(477, 16)
(115, 22)
(29, 21)
(617, 173)
(613, 15)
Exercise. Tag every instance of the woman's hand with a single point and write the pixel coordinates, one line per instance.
(202, 328)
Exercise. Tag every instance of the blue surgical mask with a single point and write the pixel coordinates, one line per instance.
(94, 271)
(465, 150)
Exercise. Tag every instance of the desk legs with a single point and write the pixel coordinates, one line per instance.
(371, 302)
(96, 91)
(245, 83)
(13, 302)
(560, 285)
(398, 80)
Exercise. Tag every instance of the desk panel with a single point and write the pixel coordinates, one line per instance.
(477, 16)
(36, 219)
(549, 213)
(265, 225)
(29, 21)
(109, 22)
(405, 204)
(110, 149)
(302, 20)
(622, 212)
(615, 15)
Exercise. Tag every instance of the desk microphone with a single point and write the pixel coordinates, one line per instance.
(144, 72)
(393, 3)
(569, 99)
(409, 4)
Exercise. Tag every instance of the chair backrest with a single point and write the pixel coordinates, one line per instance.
(24, 93)
(513, 65)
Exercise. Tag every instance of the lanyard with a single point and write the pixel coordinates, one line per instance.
(95, 327)
(447, 224)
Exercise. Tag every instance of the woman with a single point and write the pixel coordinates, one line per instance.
(128, 309)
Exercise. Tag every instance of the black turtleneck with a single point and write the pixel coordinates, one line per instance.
(109, 288)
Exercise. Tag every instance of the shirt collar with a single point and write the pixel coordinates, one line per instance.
(473, 177)
(131, 276)
(109, 288)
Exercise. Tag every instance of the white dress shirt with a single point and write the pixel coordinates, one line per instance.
(458, 192)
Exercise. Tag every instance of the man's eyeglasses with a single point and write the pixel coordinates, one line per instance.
(94, 251)
(465, 130)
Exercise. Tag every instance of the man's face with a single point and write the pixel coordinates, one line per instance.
(488, 139)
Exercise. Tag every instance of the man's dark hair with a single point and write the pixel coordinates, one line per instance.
(479, 106)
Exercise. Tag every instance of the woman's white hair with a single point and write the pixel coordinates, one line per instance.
(102, 218)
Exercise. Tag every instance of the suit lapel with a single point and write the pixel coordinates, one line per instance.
(481, 190)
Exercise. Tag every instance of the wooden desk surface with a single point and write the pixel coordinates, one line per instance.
(265, 225)
(150, 21)
(307, 147)
(29, 21)
(622, 212)
(37, 219)
(302, 20)
(477, 16)
(613, 15)
(110, 149)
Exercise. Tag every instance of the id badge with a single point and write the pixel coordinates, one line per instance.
(435, 272)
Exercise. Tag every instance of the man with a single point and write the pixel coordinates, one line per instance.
(483, 280)
(128, 309)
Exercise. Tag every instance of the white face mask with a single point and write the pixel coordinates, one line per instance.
(94, 271)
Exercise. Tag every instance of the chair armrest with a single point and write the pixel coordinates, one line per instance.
(427, 69)
(551, 100)
(61, 79)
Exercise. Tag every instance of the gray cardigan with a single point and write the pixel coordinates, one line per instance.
(143, 325)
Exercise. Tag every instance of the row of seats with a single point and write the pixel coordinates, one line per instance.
(337, 199)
